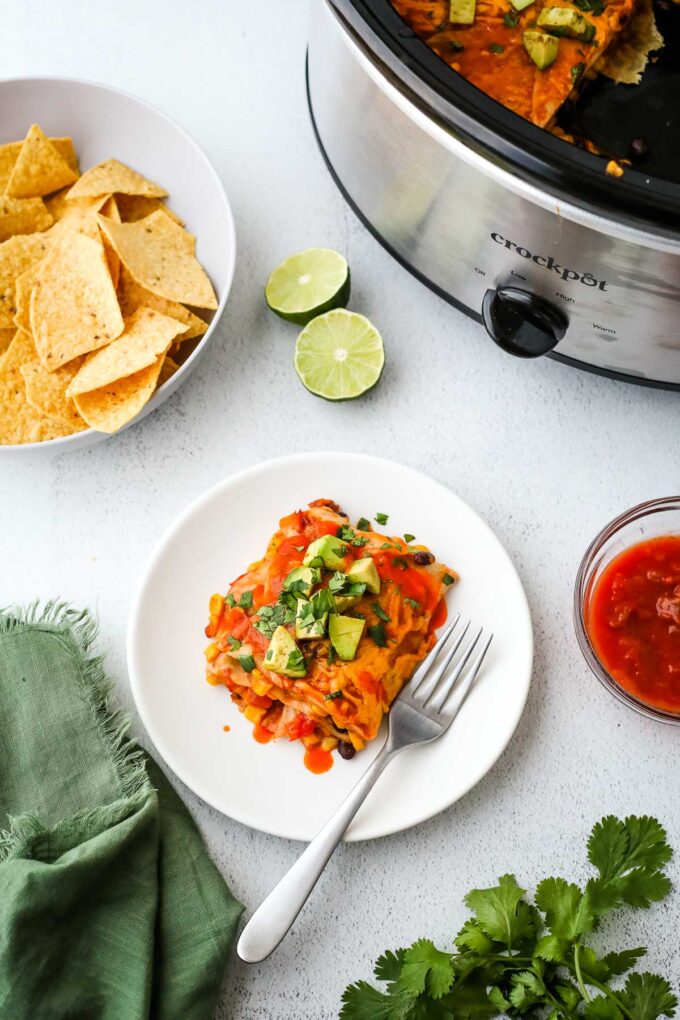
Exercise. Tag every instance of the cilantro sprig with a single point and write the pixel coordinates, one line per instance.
(513, 958)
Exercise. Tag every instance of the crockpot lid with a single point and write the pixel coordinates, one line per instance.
(638, 198)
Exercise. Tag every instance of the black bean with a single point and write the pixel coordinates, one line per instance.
(638, 148)
(346, 750)
(423, 559)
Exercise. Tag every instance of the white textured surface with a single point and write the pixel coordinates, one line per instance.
(544, 453)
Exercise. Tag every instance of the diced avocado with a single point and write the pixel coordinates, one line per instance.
(345, 633)
(283, 655)
(301, 580)
(307, 624)
(329, 549)
(541, 47)
(462, 12)
(365, 571)
(343, 602)
(566, 21)
(521, 5)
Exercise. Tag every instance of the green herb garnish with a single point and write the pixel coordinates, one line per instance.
(345, 533)
(332, 695)
(456, 46)
(363, 524)
(230, 600)
(447, 579)
(595, 7)
(510, 19)
(377, 632)
(400, 562)
(382, 518)
(412, 603)
(268, 618)
(332, 655)
(408, 538)
(496, 48)
(340, 584)
(296, 661)
(359, 541)
(576, 71)
(246, 600)
(234, 642)
(519, 960)
(247, 662)
(380, 612)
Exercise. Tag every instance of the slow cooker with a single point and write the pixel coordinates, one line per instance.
(516, 227)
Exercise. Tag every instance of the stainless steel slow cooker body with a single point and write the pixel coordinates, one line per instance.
(545, 274)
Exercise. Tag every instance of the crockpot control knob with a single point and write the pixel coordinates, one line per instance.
(522, 323)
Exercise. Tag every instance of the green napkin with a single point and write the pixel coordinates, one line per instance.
(110, 908)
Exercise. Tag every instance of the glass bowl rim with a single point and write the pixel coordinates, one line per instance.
(640, 510)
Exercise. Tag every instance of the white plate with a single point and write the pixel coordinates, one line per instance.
(106, 123)
(268, 787)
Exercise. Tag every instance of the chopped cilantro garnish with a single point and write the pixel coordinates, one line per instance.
(382, 518)
(447, 579)
(380, 612)
(345, 533)
(247, 662)
(268, 618)
(296, 661)
(408, 537)
(317, 562)
(388, 545)
(510, 19)
(234, 642)
(577, 70)
(496, 48)
(332, 654)
(359, 541)
(412, 603)
(456, 46)
(377, 632)
(400, 562)
(595, 7)
(332, 695)
(363, 524)
(340, 584)
(246, 600)
(230, 600)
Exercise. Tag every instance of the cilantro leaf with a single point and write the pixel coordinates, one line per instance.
(619, 963)
(629, 856)
(565, 908)
(501, 911)
(363, 524)
(377, 632)
(648, 996)
(473, 938)
(527, 989)
(380, 612)
(602, 1008)
(364, 1002)
(382, 518)
(246, 600)
(247, 662)
(426, 969)
(388, 966)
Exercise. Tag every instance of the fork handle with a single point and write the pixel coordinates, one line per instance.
(275, 915)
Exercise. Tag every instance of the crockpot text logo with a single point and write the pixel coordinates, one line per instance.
(547, 262)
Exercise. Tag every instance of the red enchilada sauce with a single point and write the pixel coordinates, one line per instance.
(633, 621)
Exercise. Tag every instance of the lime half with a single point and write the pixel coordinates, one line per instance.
(339, 355)
(307, 284)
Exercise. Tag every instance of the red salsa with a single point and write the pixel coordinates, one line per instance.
(633, 621)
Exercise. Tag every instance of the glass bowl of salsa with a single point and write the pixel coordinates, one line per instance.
(627, 608)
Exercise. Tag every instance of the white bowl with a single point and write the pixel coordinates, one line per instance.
(106, 123)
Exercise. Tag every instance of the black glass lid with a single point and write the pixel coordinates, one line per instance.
(636, 122)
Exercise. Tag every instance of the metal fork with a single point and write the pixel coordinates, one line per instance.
(424, 710)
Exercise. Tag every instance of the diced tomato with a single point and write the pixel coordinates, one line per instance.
(301, 726)
(237, 623)
(258, 700)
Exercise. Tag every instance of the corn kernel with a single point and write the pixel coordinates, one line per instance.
(329, 744)
(254, 715)
(311, 740)
(260, 687)
(216, 605)
(211, 652)
(357, 743)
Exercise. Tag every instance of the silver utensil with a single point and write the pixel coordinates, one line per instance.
(424, 710)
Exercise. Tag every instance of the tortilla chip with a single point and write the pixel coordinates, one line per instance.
(16, 256)
(625, 60)
(160, 256)
(46, 392)
(9, 153)
(22, 297)
(39, 168)
(111, 407)
(131, 296)
(147, 336)
(22, 216)
(109, 208)
(169, 368)
(19, 422)
(73, 309)
(136, 207)
(111, 177)
(6, 336)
